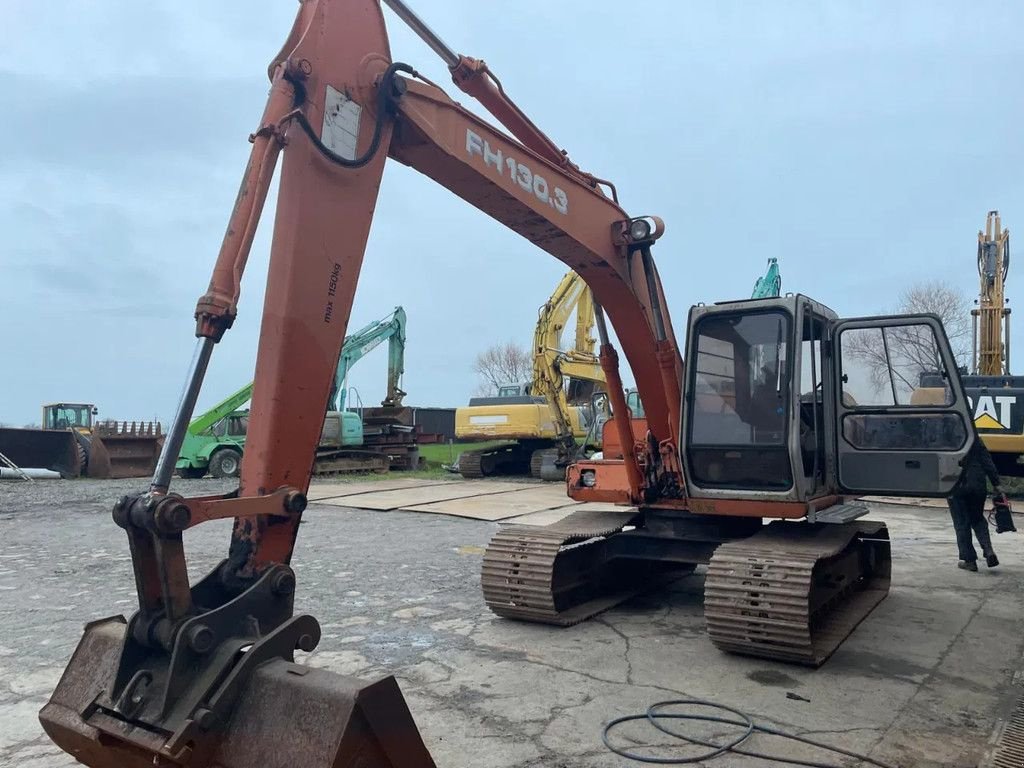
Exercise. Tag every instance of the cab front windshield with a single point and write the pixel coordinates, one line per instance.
(739, 401)
(69, 417)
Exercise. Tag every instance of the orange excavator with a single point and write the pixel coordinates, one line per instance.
(775, 422)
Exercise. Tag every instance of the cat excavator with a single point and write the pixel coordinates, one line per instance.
(996, 394)
(541, 419)
(204, 674)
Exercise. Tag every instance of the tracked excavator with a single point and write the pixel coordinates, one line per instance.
(203, 674)
(215, 440)
(541, 419)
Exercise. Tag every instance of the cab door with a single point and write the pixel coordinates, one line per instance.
(891, 435)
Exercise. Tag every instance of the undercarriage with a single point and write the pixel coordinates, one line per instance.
(787, 591)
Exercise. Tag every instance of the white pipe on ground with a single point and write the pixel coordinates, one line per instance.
(35, 474)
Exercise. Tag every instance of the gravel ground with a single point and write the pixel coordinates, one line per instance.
(922, 682)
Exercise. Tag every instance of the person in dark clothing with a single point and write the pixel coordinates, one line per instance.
(967, 506)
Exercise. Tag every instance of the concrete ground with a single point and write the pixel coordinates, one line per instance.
(922, 682)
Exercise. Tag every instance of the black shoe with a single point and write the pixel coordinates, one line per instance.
(968, 565)
(991, 560)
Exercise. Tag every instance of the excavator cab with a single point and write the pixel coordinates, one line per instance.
(787, 402)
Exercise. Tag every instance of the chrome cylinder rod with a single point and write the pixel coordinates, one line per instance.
(186, 405)
(417, 25)
(602, 329)
(660, 331)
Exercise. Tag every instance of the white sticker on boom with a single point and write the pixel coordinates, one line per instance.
(341, 123)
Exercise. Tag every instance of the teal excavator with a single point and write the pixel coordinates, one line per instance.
(215, 440)
(769, 285)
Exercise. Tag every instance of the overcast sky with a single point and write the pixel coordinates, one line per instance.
(860, 143)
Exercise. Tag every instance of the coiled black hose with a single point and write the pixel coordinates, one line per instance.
(654, 715)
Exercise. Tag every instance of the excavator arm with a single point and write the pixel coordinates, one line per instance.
(547, 348)
(357, 345)
(552, 365)
(769, 285)
(991, 320)
(585, 340)
(169, 685)
(580, 364)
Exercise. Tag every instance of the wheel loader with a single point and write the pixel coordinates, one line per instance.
(72, 442)
(754, 449)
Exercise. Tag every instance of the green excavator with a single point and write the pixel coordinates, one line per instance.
(215, 440)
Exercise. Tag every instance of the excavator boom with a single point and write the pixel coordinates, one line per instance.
(769, 285)
(168, 684)
(991, 320)
(232, 402)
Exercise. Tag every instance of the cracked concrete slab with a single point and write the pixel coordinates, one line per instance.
(922, 681)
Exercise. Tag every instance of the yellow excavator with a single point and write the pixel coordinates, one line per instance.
(997, 396)
(539, 421)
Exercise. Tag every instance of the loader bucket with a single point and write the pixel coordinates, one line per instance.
(124, 449)
(43, 448)
(288, 715)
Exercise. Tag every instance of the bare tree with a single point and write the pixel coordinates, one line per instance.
(952, 307)
(502, 364)
(897, 358)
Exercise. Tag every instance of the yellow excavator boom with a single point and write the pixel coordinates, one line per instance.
(991, 320)
(544, 420)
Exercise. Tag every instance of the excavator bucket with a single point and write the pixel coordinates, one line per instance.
(56, 449)
(286, 715)
(124, 449)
